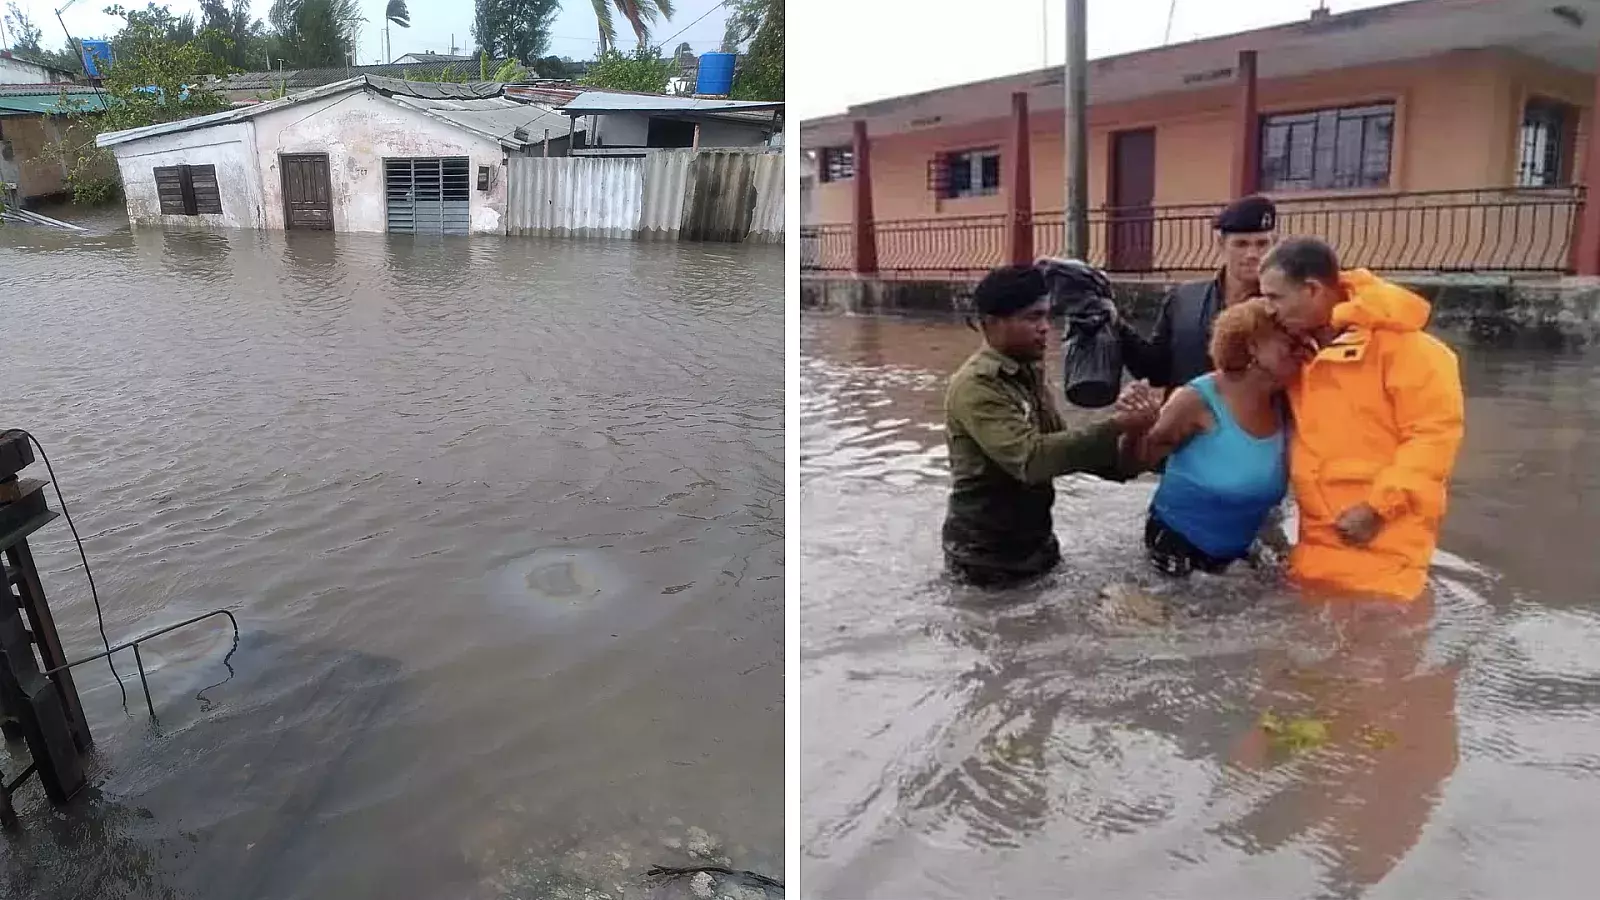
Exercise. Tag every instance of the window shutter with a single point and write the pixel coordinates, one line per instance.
(169, 190)
(203, 183)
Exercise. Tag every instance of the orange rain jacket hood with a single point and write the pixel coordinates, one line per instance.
(1378, 418)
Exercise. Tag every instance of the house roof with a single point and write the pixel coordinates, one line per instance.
(299, 79)
(591, 102)
(1562, 34)
(44, 99)
(480, 108)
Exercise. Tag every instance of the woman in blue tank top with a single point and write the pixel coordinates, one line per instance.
(1224, 439)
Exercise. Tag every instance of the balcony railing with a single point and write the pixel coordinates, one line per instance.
(1484, 231)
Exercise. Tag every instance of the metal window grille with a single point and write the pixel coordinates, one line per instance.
(1328, 148)
(428, 195)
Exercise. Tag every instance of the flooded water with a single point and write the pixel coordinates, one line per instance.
(1045, 743)
(501, 521)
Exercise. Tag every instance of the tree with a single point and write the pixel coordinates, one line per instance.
(154, 79)
(744, 20)
(232, 34)
(641, 14)
(559, 67)
(643, 70)
(514, 29)
(760, 75)
(312, 34)
(24, 34)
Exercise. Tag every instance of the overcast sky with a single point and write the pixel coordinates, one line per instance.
(843, 52)
(432, 23)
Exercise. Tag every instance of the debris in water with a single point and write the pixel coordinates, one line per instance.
(1296, 734)
(1377, 738)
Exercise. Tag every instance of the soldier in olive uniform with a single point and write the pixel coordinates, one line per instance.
(1176, 351)
(1007, 440)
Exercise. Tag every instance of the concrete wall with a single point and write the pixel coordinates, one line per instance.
(622, 130)
(358, 131)
(724, 134)
(1550, 314)
(231, 148)
(40, 171)
(16, 71)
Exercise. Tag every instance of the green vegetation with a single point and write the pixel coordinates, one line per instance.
(760, 73)
(641, 14)
(642, 70)
(156, 79)
(514, 29)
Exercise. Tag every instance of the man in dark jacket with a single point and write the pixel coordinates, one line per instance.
(1007, 440)
(1175, 353)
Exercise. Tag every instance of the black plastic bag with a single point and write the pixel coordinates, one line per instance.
(1091, 352)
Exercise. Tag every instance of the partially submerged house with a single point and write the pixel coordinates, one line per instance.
(366, 154)
(33, 122)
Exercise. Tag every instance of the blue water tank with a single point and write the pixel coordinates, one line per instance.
(96, 57)
(716, 74)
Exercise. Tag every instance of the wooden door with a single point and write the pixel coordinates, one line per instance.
(1130, 224)
(307, 191)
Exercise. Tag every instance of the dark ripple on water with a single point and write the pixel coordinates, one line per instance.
(1026, 744)
(354, 443)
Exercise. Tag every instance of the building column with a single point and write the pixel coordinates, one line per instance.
(866, 243)
(1247, 128)
(1586, 241)
(1019, 201)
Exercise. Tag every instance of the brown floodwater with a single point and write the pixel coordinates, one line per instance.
(501, 522)
(1043, 742)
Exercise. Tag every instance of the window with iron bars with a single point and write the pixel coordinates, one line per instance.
(836, 164)
(1327, 149)
(1544, 145)
(965, 173)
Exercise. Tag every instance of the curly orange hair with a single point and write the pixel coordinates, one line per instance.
(1236, 329)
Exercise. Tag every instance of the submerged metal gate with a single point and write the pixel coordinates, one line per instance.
(428, 195)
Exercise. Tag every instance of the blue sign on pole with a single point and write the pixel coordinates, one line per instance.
(96, 57)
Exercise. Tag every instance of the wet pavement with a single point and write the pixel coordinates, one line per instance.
(501, 521)
(1060, 741)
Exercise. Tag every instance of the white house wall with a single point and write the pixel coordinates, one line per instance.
(623, 130)
(15, 71)
(633, 130)
(358, 131)
(723, 134)
(230, 148)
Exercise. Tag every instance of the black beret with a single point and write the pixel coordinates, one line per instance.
(1008, 290)
(1248, 215)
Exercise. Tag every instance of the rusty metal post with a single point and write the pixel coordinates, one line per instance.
(695, 146)
(1019, 201)
(1586, 245)
(866, 243)
(1247, 128)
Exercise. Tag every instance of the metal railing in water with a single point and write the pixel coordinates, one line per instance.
(139, 660)
(1491, 231)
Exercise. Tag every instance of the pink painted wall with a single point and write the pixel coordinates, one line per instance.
(1456, 123)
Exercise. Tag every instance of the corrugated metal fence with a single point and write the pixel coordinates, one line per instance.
(668, 195)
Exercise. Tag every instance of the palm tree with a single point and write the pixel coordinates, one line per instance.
(397, 13)
(641, 14)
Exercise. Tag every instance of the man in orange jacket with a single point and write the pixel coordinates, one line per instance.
(1378, 416)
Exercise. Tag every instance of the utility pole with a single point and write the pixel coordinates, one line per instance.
(1076, 220)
